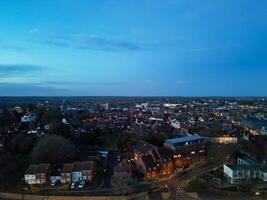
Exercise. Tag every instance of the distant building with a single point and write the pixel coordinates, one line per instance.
(222, 140)
(175, 124)
(256, 125)
(104, 106)
(29, 117)
(142, 105)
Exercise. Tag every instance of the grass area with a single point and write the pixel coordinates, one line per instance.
(35, 188)
(111, 142)
(196, 185)
(65, 186)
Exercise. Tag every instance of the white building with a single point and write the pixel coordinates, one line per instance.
(175, 123)
(142, 105)
(30, 117)
(237, 174)
(30, 174)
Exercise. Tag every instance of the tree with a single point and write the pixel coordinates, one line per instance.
(122, 181)
(22, 144)
(220, 152)
(53, 149)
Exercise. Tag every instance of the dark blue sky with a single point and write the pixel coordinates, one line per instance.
(133, 47)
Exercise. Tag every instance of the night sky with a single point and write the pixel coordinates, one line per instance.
(133, 47)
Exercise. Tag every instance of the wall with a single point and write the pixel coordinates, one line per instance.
(17, 196)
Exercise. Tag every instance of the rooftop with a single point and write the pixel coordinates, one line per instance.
(32, 169)
(183, 139)
(144, 147)
(43, 168)
(67, 168)
(242, 167)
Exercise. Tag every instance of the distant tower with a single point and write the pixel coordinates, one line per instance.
(62, 106)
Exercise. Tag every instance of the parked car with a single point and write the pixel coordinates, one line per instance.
(81, 184)
(118, 158)
(73, 185)
(55, 182)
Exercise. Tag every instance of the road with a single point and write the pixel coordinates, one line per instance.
(110, 163)
(179, 180)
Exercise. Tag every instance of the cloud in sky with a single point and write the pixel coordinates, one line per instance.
(89, 42)
(8, 70)
(6, 46)
(29, 89)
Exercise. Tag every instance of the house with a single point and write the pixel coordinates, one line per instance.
(42, 173)
(37, 174)
(30, 174)
(88, 169)
(166, 163)
(66, 173)
(151, 161)
(77, 174)
(55, 173)
(175, 124)
(148, 167)
(83, 171)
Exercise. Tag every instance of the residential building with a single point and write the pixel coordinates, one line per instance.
(66, 173)
(42, 174)
(175, 124)
(75, 172)
(186, 149)
(37, 174)
(30, 174)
